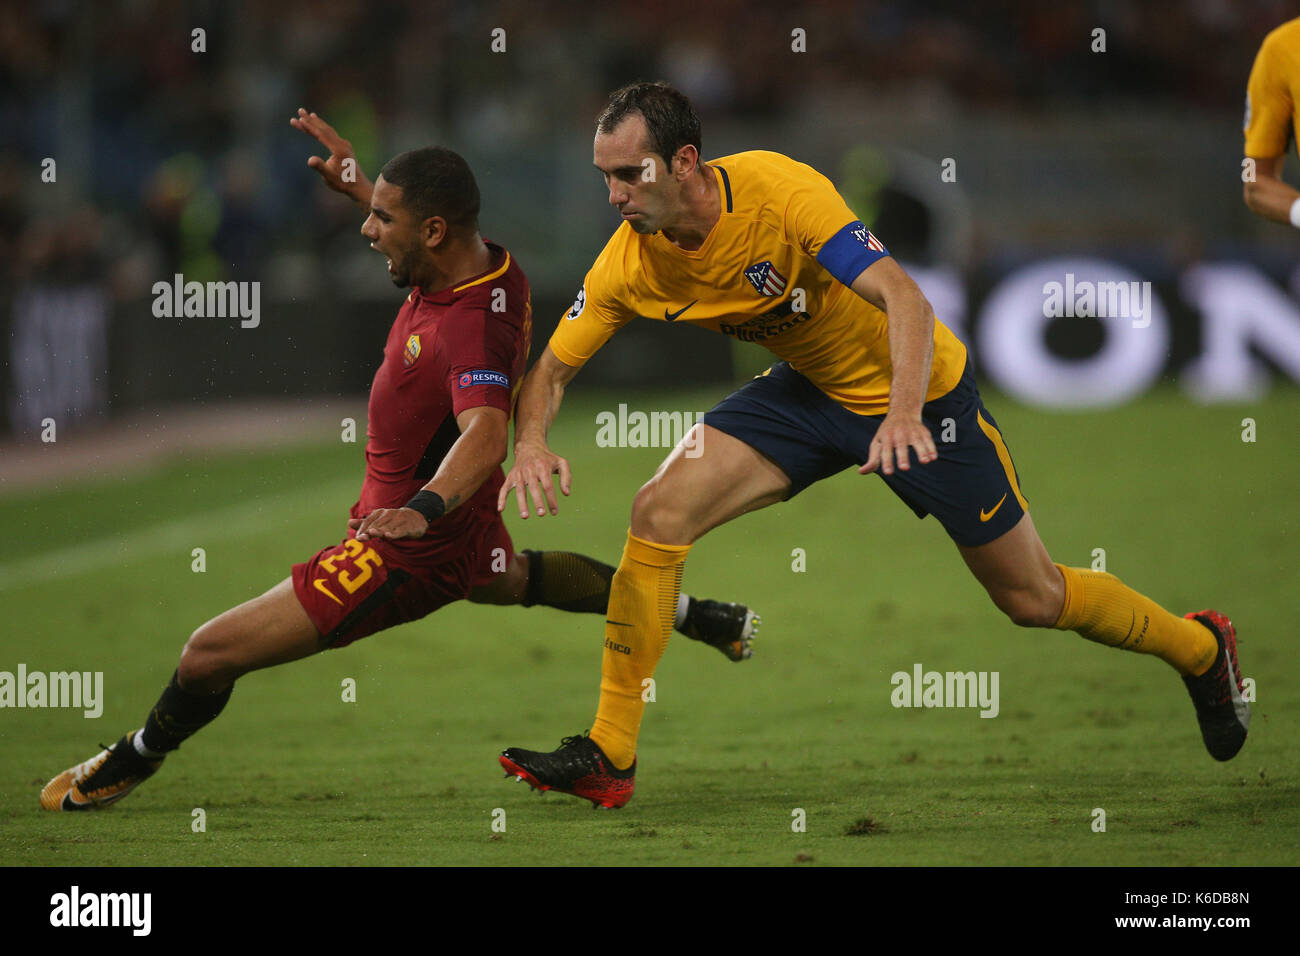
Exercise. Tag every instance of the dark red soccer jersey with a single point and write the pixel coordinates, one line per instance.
(460, 348)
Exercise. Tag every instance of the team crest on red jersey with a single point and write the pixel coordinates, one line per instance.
(764, 277)
(412, 351)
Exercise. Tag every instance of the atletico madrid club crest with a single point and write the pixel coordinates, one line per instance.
(412, 351)
(764, 277)
(868, 239)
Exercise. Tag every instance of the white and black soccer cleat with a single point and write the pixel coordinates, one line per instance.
(730, 628)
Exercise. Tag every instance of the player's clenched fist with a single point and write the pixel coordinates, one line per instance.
(533, 468)
(340, 171)
(391, 523)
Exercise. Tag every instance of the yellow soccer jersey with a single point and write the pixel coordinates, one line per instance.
(767, 273)
(1273, 93)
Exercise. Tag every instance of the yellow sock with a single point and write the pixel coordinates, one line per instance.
(642, 605)
(1103, 609)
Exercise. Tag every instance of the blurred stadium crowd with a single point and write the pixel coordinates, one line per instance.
(175, 161)
(193, 168)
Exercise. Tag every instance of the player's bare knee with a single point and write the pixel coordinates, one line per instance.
(196, 670)
(484, 595)
(655, 519)
(202, 667)
(645, 501)
(660, 527)
(1026, 608)
(508, 587)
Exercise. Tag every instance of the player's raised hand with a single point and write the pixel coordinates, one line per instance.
(391, 523)
(533, 468)
(895, 437)
(340, 171)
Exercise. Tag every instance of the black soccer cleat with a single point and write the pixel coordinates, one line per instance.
(1221, 709)
(579, 767)
(730, 628)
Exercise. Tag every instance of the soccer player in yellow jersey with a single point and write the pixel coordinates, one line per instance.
(1272, 109)
(761, 247)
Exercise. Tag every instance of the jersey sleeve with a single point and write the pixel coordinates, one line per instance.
(479, 349)
(600, 309)
(820, 221)
(1269, 107)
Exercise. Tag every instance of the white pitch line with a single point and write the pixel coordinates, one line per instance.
(183, 535)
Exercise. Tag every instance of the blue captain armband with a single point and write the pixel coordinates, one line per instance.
(850, 251)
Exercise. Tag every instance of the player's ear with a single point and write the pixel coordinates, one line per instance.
(685, 161)
(434, 231)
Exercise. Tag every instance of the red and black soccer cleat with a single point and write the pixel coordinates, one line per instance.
(579, 767)
(1221, 707)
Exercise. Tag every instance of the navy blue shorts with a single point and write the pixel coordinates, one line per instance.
(972, 487)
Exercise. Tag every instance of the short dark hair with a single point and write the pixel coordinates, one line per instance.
(669, 116)
(436, 181)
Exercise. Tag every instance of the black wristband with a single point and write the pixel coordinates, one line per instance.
(429, 504)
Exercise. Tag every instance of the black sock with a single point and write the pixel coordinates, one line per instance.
(568, 581)
(180, 713)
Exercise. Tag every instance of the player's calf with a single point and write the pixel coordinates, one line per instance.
(575, 582)
(506, 587)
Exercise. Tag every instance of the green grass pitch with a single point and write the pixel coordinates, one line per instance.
(98, 578)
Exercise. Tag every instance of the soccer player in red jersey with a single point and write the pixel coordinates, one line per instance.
(426, 530)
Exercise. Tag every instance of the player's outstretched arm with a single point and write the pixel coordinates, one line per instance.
(1268, 195)
(911, 352)
(480, 449)
(539, 403)
(341, 171)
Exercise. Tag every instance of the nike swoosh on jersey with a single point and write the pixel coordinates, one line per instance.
(986, 516)
(320, 586)
(672, 316)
